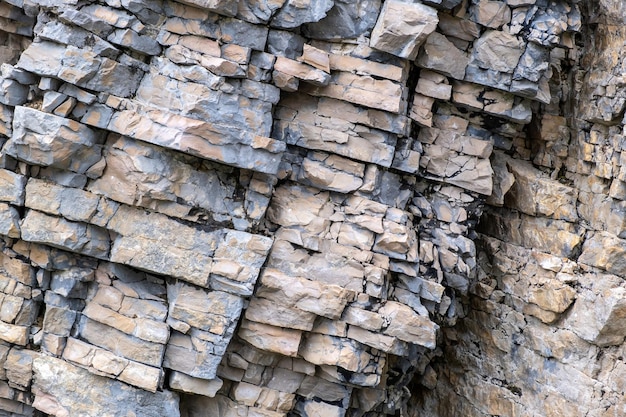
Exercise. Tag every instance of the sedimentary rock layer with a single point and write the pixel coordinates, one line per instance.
(270, 208)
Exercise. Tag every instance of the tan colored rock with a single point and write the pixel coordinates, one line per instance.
(51, 198)
(598, 318)
(62, 390)
(421, 110)
(9, 221)
(270, 338)
(315, 297)
(12, 187)
(19, 367)
(534, 194)
(327, 350)
(498, 51)
(302, 71)
(315, 57)
(489, 13)
(402, 27)
(121, 344)
(605, 251)
(224, 7)
(441, 55)
(188, 253)
(406, 325)
(58, 232)
(185, 383)
(262, 310)
(44, 139)
(17, 335)
(433, 85)
(319, 174)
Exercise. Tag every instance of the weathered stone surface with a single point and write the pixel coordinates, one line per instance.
(314, 297)
(43, 139)
(270, 338)
(598, 318)
(81, 67)
(498, 51)
(187, 255)
(295, 13)
(186, 383)
(489, 13)
(402, 27)
(158, 135)
(346, 19)
(58, 232)
(604, 251)
(441, 55)
(63, 390)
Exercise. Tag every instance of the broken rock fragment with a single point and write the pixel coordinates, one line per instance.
(402, 27)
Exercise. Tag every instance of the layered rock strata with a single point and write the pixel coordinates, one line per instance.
(251, 208)
(544, 335)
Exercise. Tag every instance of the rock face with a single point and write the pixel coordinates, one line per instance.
(312, 208)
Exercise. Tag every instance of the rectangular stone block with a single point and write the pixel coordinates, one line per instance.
(226, 144)
(44, 139)
(120, 343)
(274, 313)
(156, 243)
(322, 299)
(182, 382)
(328, 350)
(9, 221)
(12, 187)
(407, 325)
(51, 198)
(270, 338)
(17, 335)
(189, 361)
(82, 238)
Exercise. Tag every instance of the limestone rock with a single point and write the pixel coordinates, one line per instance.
(489, 13)
(598, 318)
(58, 232)
(63, 390)
(498, 51)
(44, 139)
(295, 13)
(402, 27)
(346, 19)
(441, 55)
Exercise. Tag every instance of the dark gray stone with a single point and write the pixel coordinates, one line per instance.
(296, 13)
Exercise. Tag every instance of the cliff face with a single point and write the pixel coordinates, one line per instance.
(314, 208)
(549, 299)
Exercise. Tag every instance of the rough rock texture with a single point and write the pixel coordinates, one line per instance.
(312, 208)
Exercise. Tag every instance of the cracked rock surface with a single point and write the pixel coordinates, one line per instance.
(337, 208)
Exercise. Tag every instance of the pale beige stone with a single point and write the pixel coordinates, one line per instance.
(402, 27)
(142, 376)
(273, 312)
(109, 317)
(498, 51)
(441, 55)
(323, 299)
(270, 338)
(492, 14)
(406, 325)
(185, 383)
(327, 350)
(315, 57)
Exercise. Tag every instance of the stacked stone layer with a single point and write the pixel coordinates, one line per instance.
(237, 207)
